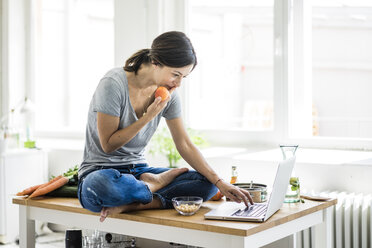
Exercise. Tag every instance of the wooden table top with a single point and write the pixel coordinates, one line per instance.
(170, 217)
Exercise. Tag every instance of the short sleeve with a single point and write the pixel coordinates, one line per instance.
(108, 97)
(173, 108)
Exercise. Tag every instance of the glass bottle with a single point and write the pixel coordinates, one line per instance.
(293, 191)
(11, 132)
(234, 174)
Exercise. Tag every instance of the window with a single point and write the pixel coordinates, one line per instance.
(232, 86)
(74, 47)
(342, 68)
(301, 69)
(269, 71)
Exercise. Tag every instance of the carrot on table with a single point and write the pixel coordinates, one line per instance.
(50, 181)
(29, 190)
(57, 183)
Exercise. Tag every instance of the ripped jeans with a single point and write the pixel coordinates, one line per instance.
(120, 185)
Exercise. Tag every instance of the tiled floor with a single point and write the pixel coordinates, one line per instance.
(49, 240)
(56, 239)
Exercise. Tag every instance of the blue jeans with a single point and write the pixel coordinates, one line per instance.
(117, 186)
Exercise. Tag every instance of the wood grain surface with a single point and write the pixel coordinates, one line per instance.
(170, 217)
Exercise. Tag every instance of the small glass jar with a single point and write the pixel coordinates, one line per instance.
(234, 174)
(93, 239)
(293, 191)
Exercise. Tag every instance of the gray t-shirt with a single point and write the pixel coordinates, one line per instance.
(112, 97)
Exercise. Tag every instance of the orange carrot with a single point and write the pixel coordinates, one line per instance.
(29, 190)
(50, 187)
(50, 181)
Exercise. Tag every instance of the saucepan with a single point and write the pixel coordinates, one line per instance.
(258, 191)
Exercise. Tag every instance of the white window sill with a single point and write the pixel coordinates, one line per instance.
(303, 155)
(251, 153)
(319, 169)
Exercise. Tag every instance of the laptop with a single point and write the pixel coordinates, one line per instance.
(258, 212)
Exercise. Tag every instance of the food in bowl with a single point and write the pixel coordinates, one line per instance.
(186, 208)
(187, 205)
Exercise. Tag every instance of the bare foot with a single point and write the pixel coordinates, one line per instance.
(106, 211)
(158, 181)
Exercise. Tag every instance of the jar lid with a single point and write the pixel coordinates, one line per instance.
(252, 186)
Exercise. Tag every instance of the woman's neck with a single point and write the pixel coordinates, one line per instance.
(143, 79)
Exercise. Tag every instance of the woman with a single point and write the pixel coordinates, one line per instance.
(114, 176)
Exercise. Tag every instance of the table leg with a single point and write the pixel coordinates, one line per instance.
(292, 240)
(26, 229)
(288, 242)
(321, 234)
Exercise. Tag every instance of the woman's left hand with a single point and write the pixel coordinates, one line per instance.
(234, 193)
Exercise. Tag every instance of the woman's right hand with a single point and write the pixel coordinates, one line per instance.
(157, 106)
(234, 193)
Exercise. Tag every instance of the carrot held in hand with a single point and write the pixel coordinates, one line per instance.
(29, 190)
(51, 185)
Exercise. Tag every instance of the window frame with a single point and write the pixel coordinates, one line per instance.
(292, 101)
(301, 64)
(285, 11)
(234, 137)
(31, 8)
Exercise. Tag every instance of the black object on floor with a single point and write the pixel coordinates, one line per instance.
(73, 239)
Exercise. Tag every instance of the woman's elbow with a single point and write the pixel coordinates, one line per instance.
(106, 148)
(106, 151)
(185, 147)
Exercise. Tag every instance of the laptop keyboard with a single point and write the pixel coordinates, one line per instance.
(256, 210)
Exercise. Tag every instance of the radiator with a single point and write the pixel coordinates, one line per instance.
(351, 222)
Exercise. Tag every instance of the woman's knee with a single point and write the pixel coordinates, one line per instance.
(206, 189)
(209, 191)
(102, 180)
(103, 175)
(96, 187)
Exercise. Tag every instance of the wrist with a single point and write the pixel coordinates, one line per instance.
(147, 117)
(219, 180)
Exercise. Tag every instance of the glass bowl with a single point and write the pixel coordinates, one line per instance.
(187, 205)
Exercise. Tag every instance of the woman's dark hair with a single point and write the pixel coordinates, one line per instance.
(173, 49)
